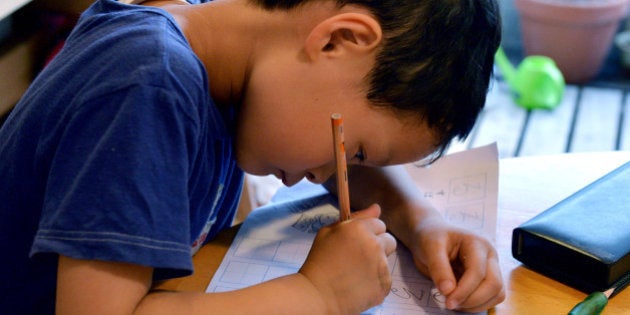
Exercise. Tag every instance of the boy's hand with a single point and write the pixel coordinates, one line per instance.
(348, 263)
(464, 266)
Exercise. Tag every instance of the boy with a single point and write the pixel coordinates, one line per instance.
(127, 152)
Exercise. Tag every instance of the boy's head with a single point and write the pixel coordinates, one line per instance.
(435, 62)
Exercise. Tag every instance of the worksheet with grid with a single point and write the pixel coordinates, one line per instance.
(274, 240)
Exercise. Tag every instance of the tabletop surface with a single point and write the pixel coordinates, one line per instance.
(527, 186)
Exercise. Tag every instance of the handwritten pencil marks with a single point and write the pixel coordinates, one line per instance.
(311, 223)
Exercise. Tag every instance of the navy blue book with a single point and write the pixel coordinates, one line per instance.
(584, 240)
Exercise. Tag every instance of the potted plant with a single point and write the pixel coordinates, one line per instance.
(576, 34)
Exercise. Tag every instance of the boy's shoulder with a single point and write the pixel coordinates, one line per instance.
(116, 37)
(123, 17)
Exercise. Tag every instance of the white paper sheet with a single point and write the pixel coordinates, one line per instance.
(274, 240)
(464, 186)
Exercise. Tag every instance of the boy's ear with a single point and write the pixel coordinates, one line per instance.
(343, 33)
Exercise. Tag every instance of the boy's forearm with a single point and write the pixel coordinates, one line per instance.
(99, 287)
(394, 190)
(292, 294)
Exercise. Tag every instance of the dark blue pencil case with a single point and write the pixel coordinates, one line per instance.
(584, 240)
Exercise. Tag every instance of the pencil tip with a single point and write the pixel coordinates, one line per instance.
(609, 292)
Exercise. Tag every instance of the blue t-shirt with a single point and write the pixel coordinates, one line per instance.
(116, 152)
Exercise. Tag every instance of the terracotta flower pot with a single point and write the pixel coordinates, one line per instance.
(576, 34)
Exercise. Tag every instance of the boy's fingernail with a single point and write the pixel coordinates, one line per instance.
(451, 305)
(446, 286)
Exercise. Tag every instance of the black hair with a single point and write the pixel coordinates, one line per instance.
(436, 61)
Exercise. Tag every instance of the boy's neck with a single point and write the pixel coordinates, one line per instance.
(229, 37)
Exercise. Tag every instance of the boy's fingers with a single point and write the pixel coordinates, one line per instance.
(373, 211)
(489, 292)
(389, 243)
(439, 267)
(480, 280)
(474, 270)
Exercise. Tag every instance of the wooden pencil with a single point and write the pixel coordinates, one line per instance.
(342, 169)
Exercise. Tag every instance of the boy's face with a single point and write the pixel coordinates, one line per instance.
(287, 132)
(295, 145)
(284, 125)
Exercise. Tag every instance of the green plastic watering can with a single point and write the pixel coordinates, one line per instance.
(535, 83)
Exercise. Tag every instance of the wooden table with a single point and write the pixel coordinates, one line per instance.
(589, 118)
(527, 186)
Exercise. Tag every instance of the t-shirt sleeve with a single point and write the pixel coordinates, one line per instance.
(117, 186)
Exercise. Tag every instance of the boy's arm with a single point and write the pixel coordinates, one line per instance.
(463, 265)
(345, 273)
(395, 191)
(96, 287)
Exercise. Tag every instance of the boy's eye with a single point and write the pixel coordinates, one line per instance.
(360, 155)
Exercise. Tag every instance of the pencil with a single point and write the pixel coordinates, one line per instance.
(342, 169)
(595, 302)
